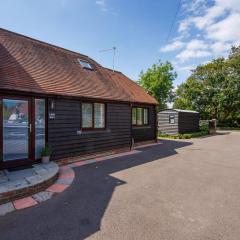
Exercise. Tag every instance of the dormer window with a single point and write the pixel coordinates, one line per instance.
(85, 64)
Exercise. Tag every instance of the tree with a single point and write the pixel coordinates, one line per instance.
(213, 89)
(158, 81)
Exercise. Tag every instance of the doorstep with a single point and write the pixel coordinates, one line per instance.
(22, 183)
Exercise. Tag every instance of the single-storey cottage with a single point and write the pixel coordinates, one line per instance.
(175, 121)
(51, 95)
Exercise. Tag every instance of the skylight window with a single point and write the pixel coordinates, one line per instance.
(85, 64)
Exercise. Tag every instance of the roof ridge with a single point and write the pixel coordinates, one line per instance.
(45, 43)
(110, 69)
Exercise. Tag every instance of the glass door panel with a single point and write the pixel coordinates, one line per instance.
(39, 126)
(15, 129)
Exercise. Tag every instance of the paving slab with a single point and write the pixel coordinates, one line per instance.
(65, 181)
(19, 180)
(24, 203)
(3, 179)
(6, 208)
(41, 171)
(49, 165)
(43, 196)
(69, 174)
(78, 164)
(34, 179)
(16, 175)
(90, 161)
(16, 184)
(57, 188)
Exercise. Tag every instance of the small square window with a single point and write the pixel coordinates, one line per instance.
(85, 64)
(145, 116)
(171, 119)
(87, 111)
(134, 116)
(139, 116)
(99, 115)
(93, 116)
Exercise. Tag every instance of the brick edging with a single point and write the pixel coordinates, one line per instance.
(28, 191)
(64, 179)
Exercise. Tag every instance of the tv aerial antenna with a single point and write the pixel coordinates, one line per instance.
(113, 49)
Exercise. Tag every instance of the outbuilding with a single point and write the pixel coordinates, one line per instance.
(51, 95)
(175, 121)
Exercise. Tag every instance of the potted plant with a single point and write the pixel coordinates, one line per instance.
(45, 153)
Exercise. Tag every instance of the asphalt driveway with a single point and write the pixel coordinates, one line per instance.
(188, 189)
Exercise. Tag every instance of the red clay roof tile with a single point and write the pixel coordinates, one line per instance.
(30, 65)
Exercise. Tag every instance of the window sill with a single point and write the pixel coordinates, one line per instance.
(94, 131)
(141, 127)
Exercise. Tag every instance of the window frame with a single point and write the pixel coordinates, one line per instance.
(142, 116)
(171, 117)
(134, 109)
(93, 128)
(85, 64)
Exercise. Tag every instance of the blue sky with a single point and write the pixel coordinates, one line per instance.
(138, 28)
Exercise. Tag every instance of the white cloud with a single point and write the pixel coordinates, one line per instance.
(206, 16)
(102, 5)
(188, 54)
(186, 68)
(196, 44)
(172, 46)
(208, 29)
(184, 25)
(209, 18)
(220, 47)
(229, 4)
(194, 49)
(226, 30)
(196, 6)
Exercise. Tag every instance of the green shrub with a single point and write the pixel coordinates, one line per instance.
(46, 151)
(200, 134)
(185, 135)
(204, 128)
(229, 123)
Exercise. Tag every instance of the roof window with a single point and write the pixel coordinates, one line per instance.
(85, 64)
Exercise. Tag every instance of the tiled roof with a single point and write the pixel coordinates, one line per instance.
(30, 65)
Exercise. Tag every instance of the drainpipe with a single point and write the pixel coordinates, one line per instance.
(131, 135)
(156, 122)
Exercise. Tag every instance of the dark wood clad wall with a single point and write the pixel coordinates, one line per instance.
(65, 141)
(188, 122)
(163, 122)
(146, 133)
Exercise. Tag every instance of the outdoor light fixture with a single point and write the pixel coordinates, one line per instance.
(52, 105)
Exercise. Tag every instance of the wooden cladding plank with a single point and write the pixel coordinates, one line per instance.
(63, 130)
(148, 133)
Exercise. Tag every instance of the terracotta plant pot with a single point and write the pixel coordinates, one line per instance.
(45, 159)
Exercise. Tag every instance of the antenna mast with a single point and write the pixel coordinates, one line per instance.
(114, 54)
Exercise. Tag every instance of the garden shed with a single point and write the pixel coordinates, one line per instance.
(175, 121)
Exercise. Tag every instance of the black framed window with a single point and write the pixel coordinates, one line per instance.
(99, 115)
(140, 116)
(93, 115)
(171, 119)
(134, 116)
(145, 116)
